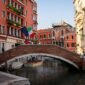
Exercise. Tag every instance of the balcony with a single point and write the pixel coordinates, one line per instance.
(34, 8)
(35, 22)
(2, 34)
(20, 1)
(11, 22)
(17, 11)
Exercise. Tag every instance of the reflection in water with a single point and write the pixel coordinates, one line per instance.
(51, 73)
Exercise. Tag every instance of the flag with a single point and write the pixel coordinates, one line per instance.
(24, 31)
(27, 42)
(30, 32)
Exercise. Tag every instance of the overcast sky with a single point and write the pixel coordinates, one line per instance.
(53, 11)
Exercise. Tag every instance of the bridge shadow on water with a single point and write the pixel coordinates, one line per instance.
(70, 67)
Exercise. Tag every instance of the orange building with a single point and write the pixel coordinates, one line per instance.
(58, 32)
(13, 15)
(44, 36)
(70, 41)
(58, 35)
(54, 35)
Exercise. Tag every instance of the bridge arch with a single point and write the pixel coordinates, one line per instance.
(44, 55)
(47, 50)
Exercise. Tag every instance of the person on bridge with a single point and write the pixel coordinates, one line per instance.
(2, 49)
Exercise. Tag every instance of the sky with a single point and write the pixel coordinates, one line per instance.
(53, 11)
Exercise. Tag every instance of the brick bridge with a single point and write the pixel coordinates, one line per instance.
(50, 50)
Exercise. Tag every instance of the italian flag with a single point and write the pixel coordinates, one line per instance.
(30, 32)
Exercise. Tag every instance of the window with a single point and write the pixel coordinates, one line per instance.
(44, 36)
(73, 45)
(59, 43)
(26, 2)
(3, 13)
(67, 45)
(67, 37)
(49, 35)
(9, 30)
(12, 31)
(34, 8)
(62, 33)
(34, 27)
(40, 36)
(72, 37)
(26, 24)
(3, 1)
(26, 12)
(3, 45)
(35, 18)
(53, 33)
(19, 31)
(15, 32)
(2, 29)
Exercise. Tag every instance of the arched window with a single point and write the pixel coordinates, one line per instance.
(73, 45)
(67, 37)
(53, 33)
(62, 32)
(67, 45)
(40, 36)
(44, 36)
(49, 35)
(72, 37)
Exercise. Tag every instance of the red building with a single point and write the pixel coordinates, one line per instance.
(58, 35)
(13, 15)
(70, 41)
(58, 32)
(44, 36)
(54, 35)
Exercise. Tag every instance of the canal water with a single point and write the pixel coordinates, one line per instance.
(51, 73)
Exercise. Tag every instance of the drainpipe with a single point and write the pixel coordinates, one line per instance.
(83, 33)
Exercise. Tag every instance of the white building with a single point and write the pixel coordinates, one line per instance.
(80, 25)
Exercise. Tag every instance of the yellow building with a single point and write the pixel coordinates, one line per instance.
(80, 25)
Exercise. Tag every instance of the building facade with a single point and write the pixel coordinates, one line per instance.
(70, 41)
(57, 35)
(59, 30)
(44, 36)
(13, 15)
(80, 25)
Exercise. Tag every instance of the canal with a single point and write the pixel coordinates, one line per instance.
(51, 72)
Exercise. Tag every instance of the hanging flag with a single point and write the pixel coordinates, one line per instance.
(27, 42)
(30, 32)
(24, 31)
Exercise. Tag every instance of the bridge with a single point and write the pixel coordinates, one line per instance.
(46, 50)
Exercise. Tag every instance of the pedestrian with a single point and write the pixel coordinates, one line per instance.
(2, 49)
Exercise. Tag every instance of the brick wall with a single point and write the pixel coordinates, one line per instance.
(48, 49)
